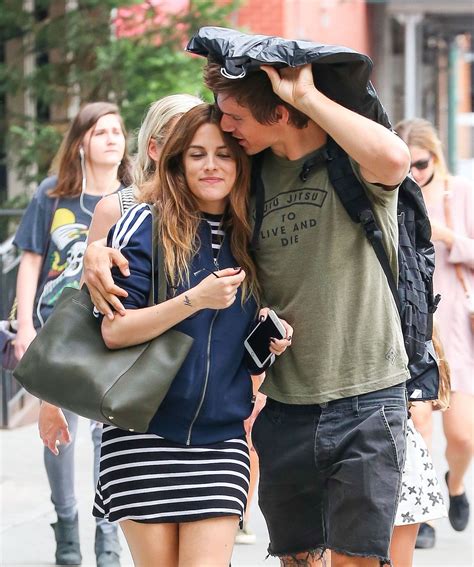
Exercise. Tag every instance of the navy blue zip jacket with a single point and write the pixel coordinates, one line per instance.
(211, 395)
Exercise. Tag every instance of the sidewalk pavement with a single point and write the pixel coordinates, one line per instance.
(26, 538)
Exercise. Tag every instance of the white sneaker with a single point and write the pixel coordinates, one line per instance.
(245, 536)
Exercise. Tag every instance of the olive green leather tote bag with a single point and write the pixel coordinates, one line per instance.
(69, 365)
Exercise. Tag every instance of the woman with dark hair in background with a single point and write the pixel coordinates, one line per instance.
(91, 163)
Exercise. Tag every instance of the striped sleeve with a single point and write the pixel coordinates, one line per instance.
(132, 235)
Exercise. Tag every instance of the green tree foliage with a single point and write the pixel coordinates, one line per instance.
(78, 51)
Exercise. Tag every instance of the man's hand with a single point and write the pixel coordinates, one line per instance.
(292, 84)
(98, 262)
(53, 428)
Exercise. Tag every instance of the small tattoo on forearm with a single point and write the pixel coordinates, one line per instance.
(187, 301)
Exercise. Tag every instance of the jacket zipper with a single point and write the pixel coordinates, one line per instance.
(208, 369)
(208, 366)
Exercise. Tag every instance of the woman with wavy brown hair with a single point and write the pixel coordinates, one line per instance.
(179, 490)
(179, 207)
(91, 163)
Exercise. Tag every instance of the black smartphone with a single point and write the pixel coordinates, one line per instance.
(258, 342)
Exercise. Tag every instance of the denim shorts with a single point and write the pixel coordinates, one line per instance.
(330, 474)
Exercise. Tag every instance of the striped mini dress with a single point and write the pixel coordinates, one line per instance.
(146, 478)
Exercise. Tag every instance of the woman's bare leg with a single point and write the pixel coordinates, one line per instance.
(403, 545)
(458, 423)
(422, 416)
(207, 543)
(152, 544)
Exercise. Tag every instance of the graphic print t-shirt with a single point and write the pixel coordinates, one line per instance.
(63, 247)
(318, 271)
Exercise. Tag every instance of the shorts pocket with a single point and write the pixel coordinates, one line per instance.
(263, 428)
(394, 420)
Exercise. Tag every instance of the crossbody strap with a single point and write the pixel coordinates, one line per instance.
(157, 261)
(449, 223)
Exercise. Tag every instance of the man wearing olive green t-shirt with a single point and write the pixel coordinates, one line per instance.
(331, 438)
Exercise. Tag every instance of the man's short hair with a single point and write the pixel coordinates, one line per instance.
(255, 92)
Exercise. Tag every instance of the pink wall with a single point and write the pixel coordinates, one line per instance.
(262, 16)
(326, 21)
(343, 22)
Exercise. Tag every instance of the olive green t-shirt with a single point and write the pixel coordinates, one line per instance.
(319, 272)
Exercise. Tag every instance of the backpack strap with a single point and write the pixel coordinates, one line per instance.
(358, 206)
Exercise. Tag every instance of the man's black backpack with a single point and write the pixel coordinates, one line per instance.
(413, 293)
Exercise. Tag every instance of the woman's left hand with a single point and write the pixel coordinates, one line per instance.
(278, 346)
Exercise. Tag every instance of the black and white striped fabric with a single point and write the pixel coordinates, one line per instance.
(146, 478)
(126, 197)
(216, 231)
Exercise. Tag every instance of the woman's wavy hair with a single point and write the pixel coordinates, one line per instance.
(155, 126)
(179, 211)
(67, 162)
(420, 132)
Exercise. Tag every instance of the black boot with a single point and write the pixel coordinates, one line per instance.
(107, 548)
(68, 550)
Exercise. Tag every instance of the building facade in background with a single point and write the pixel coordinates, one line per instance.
(422, 49)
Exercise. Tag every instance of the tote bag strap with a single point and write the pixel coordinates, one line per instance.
(157, 262)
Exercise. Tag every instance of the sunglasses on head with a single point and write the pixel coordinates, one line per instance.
(421, 164)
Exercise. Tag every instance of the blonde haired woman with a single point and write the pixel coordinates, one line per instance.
(158, 122)
(450, 203)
